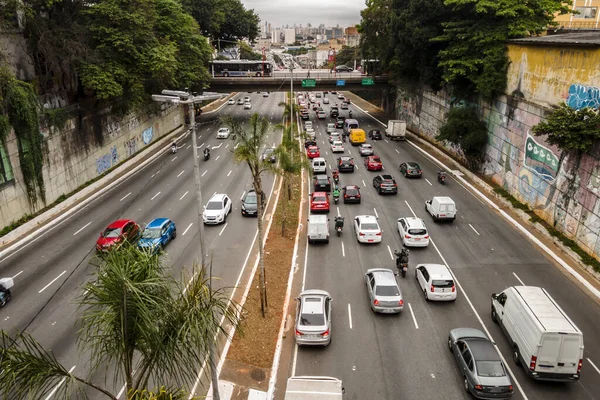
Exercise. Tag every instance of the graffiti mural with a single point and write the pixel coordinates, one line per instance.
(107, 161)
(147, 135)
(581, 96)
(130, 147)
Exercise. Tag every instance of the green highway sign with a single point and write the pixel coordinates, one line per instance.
(367, 81)
(309, 83)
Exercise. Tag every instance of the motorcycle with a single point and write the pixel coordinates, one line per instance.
(206, 156)
(349, 114)
(173, 148)
(441, 177)
(336, 177)
(336, 198)
(339, 225)
(402, 261)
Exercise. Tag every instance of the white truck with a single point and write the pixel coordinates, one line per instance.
(5, 285)
(396, 129)
(543, 338)
(313, 388)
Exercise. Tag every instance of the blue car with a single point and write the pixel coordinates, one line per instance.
(157, 234)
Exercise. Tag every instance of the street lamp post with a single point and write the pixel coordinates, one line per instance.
(291, 93)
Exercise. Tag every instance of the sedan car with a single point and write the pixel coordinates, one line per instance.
(325, 100)
(481, 368)
(330, 128)
(321, 115)
(334, 112)
(344, 105)
(240, 101)
(385, 295)
(313, 318)
(117, 233)
(309, 142)
(335, 137)
(157, 234)
(375, 134)
(345, 164)
(304, 115)
(367, 229)
(351, 194)
(223, 133)
(339, 123)
(231, 101)
(322, 183)
(319, 201)
(365, 149)
(313, 152)
(436, 282)
(265, 94)
(413, 232)
(385, 184)
(411, 170)
(268, 154)
(217, 209)
(337, 146)
(250, 203)
(343, 68)
(373, 163)
(247, 106)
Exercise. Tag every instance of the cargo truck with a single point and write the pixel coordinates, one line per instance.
(396, 129)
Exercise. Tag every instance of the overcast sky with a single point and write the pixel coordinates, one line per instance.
(329, 12)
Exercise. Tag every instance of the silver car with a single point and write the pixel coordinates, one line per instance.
(365, 150)
(482, 370)
(385, 295)
(313, 318)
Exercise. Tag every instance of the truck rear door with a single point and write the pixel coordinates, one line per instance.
(559, 354)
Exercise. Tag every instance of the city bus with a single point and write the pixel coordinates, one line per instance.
(240, 68)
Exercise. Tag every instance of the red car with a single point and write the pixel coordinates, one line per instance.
(312, 152)
(373, 163)
(319, 201)
(116, 233)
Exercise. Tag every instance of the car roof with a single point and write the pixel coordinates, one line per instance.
(119, 223)
(412, 164)
(345, 158)
(365, 145)
(383, 276)
(414, 222)
(321, 176)
(367, 218)
(157, 222)
(437, 270)
(314, 292)
(217, 197)
(387, 176)
(351, 187)
(314, 194)
(482, 349)
(313, 307)
(223, 128)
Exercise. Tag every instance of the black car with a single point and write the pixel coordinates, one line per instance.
(385, 184)
(322, 183)
(343, 68)
(339, 123)
(375, 134)
(345, 164)
(411, 169)
(309, 142)
(351, 194)
(304, 115)
(334, 112)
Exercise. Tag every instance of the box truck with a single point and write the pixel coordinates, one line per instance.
(396, 129)
(313, 388)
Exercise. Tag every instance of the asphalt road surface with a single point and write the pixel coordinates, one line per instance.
(406, 356)
(50, 271)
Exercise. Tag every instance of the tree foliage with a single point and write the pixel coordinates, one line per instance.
(247, 53)
(224, 19)
(463, 128)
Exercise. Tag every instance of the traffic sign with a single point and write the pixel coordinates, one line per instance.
(309, 82)
(367, 81)
(340, 82)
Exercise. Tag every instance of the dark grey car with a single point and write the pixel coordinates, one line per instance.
(250, 204)
(482, 370)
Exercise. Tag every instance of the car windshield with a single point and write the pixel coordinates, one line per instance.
(490, 368)
(250, 198)
(445, 283)
(214, 205)
(366, 146)
(112, 232)
(322, 181)
(387, 291)
(413, 166)
(320, 198)
(151, 233)
(375, 159)
(417, 231)
(312, 319)
(369, 226)
(351, 191)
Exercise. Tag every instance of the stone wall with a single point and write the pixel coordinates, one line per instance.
(561, 189)
(73, 157)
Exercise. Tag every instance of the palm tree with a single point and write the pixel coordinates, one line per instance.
(288, 108)
(136, 318)
(248, 145)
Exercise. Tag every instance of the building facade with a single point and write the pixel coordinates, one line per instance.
(290, 36)
(588, 17)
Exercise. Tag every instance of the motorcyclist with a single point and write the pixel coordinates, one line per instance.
(339, 222)
(206, 152)
(350, 113)
(401, 257)
(336, 192)
(174, 147)
(335, 174)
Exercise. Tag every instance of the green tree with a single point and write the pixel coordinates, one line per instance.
(135, 318)
(246, 52)
(224, 19)
(463, 128)
(376, 31)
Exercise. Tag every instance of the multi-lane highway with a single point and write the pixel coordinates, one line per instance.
(406, 356)
(50, 271)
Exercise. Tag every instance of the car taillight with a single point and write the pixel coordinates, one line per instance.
(532, 363)
(361, 234)
(395, 185)
(579, 366)
(378, 233)
(345, 196)
(298, 333)
(426, 236)
(407, 237)
(432, 288)
(381, 185)
(453, 288)
(420, 171)
(376, 302)
(358, 195)
(326, 333)
(510, 388)
(401, 303)
(478, 387)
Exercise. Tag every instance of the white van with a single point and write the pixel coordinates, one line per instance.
(319, 165)
(544, 339)
(318, 228)
(313, 388)
(441, 208)
(350, 124)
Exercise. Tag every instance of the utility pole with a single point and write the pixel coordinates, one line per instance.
(291, 93)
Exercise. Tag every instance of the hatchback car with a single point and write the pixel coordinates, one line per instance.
(325, 100)
(268, 154)
(217, 209)
(339, 123)
(265, 94)
(411, 170)
(319, 201)
(340, 96)
(413, 232)
(223, 133)
(321, 115)
(373, 163)
(385, 295)
(247, 98)
(334, 112)
(304, 114)
(157, 234)
(344, 106)
(345, 164)
(365, 149)
(231, 101)
(247, 106)
(313, 152)
(335, 137)
(436, 282)
(337, 147)
(367, 229)
(308, 124)
(322, 183)
(250, 204)
(331, 128)
(117, 233)
(483, 372)
(309, 142)
(385, 184)
(313, 318)
(240, 101)
(375, 134)
(351, 194)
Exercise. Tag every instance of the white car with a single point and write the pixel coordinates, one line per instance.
(308, 124)
(367, 229)
(413, 232)
(223, 133)
(321, 115)
(340, 96)
(231, 101)
(309, 129)
(365, 149)
(325, 100)
(337, 147)
(265, 94)
(330, 128)
(247, 106)
(217, 209)
(436, 282)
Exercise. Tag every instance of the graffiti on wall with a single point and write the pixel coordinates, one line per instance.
(106, 161)
(147, 135)
(130, 147)
(581, 96)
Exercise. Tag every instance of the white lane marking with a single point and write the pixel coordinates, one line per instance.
(217, 158)
(53, 280)
(349, 152)
(201, 135)
(17, 274)
(410, 208)
(189, 145)
(201, 145)
(364, 184)
(377, 215)
(236, 146)
(155, 196)
(187, 229)
(593, 365)
(229, 173)
(397, 151)
(326, 153)
(220, 233)
(180, 173)
(474, 230)
(519, 279)
(427, 180)
(126, 196)
(174, 158)
(390, 250)
(217, 147)
(82, 228)
(338, 211)
(356, 166)
(181, 198)
(59, 384)
(386, 140)
(350, 315)
(343, 250)
(227, 145)
(204, 173)
(243, 194)
(413, 316)
(329, 166)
